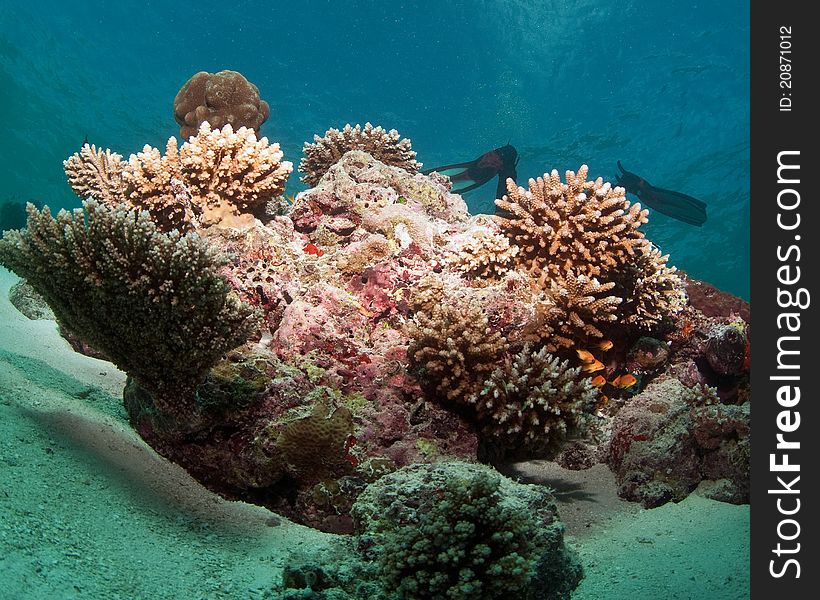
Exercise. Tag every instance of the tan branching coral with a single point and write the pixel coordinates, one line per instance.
(385, 146)
(655, 291)
(486, 255)
(216, 176)
(534, 398)
(453, 345)
(581, 304)
(96, 173)
(581, 239)
(585, 226)
(223, 98)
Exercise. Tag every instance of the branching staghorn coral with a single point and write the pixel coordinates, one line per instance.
(534, 398)
(153, 303)
(580, 303)
(215, 176)
(385, 146)
(581, 239)
(653, 291)
(453, 343)
(96, 173)
(585, 226)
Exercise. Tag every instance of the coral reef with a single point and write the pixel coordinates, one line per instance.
(153, 303)
(395, 329)
(462, 531)
(216, 177)
(385, 146)
(223, 98)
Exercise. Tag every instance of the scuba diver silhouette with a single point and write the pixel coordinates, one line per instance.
(502, 162)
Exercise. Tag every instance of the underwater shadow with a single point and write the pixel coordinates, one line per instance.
(564, 490)
(152, 482)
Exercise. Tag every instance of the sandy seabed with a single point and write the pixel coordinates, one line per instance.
(89, 511)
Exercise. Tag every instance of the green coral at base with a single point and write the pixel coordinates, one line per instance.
(154, 303)
(458, 531)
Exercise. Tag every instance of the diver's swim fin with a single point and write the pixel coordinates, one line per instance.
(675, 204)
(668, 202)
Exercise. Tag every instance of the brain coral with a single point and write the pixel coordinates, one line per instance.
(462, 532)
(223, 98)
(385, 146)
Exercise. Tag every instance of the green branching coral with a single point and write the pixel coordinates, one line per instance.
(153, 303)
(534, 399)
(457, 531)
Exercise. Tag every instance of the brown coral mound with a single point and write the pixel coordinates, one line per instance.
(215, 177)
(223, 98)
(385, 146)
(535, 398)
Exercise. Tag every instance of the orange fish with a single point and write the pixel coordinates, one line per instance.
(599, 381)
(313, 249)
(602, 402)
(585, 356)
(624, 381)
(597, 365)
(605, 345)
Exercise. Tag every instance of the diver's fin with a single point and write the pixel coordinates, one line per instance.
(468, 188)
(675, 204)
(462, 165)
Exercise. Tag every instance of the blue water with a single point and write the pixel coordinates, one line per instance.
(662, 86)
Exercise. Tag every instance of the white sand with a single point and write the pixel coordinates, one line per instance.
(90, 511)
